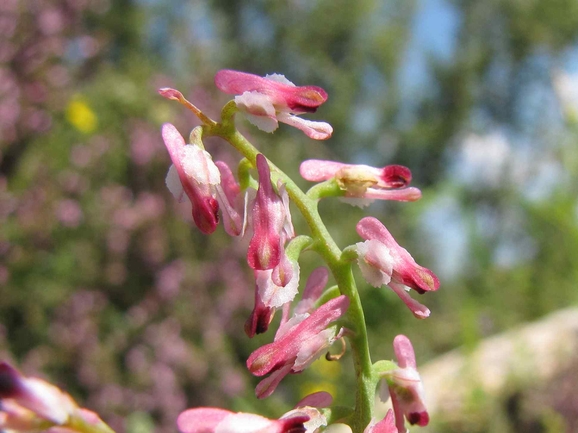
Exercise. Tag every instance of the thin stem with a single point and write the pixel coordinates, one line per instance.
(328, 249)
(329, 188)
(175, 95)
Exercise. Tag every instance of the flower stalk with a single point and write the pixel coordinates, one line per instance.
(327, 248)
(265, 102)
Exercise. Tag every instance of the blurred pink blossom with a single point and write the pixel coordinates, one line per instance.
(69, 213)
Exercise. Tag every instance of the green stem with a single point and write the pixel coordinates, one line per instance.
(79, 424)
(328, 249)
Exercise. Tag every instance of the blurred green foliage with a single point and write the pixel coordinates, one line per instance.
(108, 288)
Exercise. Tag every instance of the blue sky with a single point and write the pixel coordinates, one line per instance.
(435, 27)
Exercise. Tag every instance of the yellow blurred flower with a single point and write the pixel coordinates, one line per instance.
(80, 115)
(311, 387)
(328, 371)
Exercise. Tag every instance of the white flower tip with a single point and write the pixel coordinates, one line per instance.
(280, 78)
(357, 202)
(264, 123)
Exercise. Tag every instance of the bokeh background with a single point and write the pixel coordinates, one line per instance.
(108, 290)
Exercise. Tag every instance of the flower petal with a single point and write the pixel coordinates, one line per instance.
(318, 170)
(313, 288)
(314, 130)
(420, 311)
(375, 262)
(386, 425)
(317, 399)
(265, 248)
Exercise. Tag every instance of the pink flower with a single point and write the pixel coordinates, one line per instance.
(38, 396)
(271, 295)
(314, 286)
(260, 318)
(195, 175)
(386, 425)
(272, 99)
(30, 398)
(28, 404)
(383, 262)
(405, 387)
(215, 420)
(361, 184)
(299, 342)
(269, 217)
(316, 399)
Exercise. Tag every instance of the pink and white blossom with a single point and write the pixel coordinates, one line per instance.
(268, 100)
(40, 398)
(316, 418)
(383, 262)
(271, 295)
(260, 318)
(195, 176)
(29, 404)
(299, 342)
(405, 387)
(362, 184)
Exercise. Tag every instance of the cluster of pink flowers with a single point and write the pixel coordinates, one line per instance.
(264, 215)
